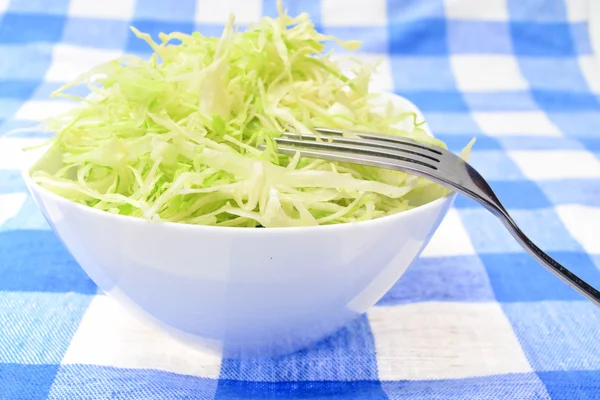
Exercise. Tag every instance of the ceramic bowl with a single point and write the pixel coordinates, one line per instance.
(241, 291)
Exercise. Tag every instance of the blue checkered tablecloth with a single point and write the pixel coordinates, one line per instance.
(474, 318)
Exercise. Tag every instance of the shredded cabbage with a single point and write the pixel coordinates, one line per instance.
(174, 137)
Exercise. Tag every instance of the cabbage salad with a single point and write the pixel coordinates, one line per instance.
(174, 137)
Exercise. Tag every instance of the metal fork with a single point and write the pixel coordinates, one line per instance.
(433, 163)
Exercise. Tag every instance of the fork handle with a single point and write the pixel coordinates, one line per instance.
(551, 264)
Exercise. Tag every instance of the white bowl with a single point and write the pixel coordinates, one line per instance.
(241, 291)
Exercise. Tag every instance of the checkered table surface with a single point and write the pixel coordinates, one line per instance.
(474, 318)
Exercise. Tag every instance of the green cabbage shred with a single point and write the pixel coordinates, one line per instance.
(174, 137)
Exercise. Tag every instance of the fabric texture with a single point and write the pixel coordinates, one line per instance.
(474, 318)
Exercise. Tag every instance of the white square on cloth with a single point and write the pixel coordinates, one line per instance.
(217, 11)
(590, 68)
(582, 223)
(443, 340)
(108, 9)
(526, 123)
(10, 204)
(481, 73)
(110, 336)
(578, 10)
(491, 10)
(450, 239)
(68, 62)
(354, 12)
(556, 164)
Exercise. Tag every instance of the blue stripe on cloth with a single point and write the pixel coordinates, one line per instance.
(29, 61)
(411, 10)
(17, 89)
(536, 10)
(425, 37)
(26, 382)
(560, 74)
(100, 382)
(476, 37)
(32, 260)
(566, 101)
(546, 39)
(559, 335)
(26, 28)
(498, 387)
(37, 328)
(581, 124)
(571, 385)
(519, 278)
(596, 259)
(39, 6)
(500, 101)
(436, 101)
(451, 123)
(581, 38)
(592, 144)
(159, 10)
(459, 278)
(348, 354)
(319, 390)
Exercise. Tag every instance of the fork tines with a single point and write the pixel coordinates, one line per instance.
(338, 133)
(371, 149)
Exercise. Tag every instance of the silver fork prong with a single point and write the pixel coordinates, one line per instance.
(360, 147)
(381, 138)
(397, 147)
(397, 164)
